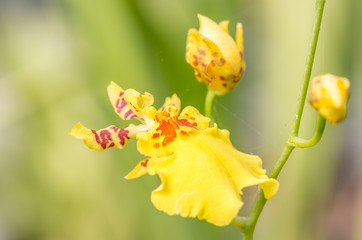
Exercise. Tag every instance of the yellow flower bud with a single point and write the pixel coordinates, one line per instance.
(329, 95)
(217, 59)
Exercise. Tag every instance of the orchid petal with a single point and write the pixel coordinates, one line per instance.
(103, 138)
(204, 177)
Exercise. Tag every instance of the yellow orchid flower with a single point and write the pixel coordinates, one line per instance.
(201, 173)
(329, 95)
(217, 59)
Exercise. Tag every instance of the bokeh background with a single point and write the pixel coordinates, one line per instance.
(57, 58)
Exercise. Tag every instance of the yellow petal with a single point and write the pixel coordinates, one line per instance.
(138, 171)
(150, 144)
(129, 104)
(222, 39)
(224, 25)
(104, 138)
(239, 37)
(158, 141)
(199, 55)
(191, 117)
(174, 100)
(140, 104)
(204, 177)
(240, 43)
(116, 96)
(329, 95)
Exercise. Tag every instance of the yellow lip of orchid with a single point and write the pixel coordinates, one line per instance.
(202, 174)
(329, 95)
(217, 59)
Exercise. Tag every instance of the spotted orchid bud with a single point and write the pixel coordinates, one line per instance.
(217, 59)
(329, 96)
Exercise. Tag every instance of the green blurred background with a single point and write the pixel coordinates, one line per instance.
(57, 58)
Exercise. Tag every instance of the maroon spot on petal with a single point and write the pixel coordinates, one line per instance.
(123, 135)
(187, 123)
(105, 137)
(184, 133)
(196, 60)
(202, 52)
(96, 136)
(204, 65)
(215, 54)
(129, 112)
(213, 63)
(241, 55)
(115, 129)
(221, 78)
(144, 163)
(120, 104)
(222, 61)
(155, 135)
(224, 84)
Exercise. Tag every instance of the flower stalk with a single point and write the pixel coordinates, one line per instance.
(248, 227)
(209, 103)
(309, 65)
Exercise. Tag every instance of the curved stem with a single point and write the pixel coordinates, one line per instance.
(209, 103)
(248, 230)
(239, 222)
(318, 132)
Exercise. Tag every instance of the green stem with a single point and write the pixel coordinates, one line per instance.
(309, 65)
(239, 222)
(248, 230)
(318, 132)
(209, 103)
(247, 236)
(261, 200)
